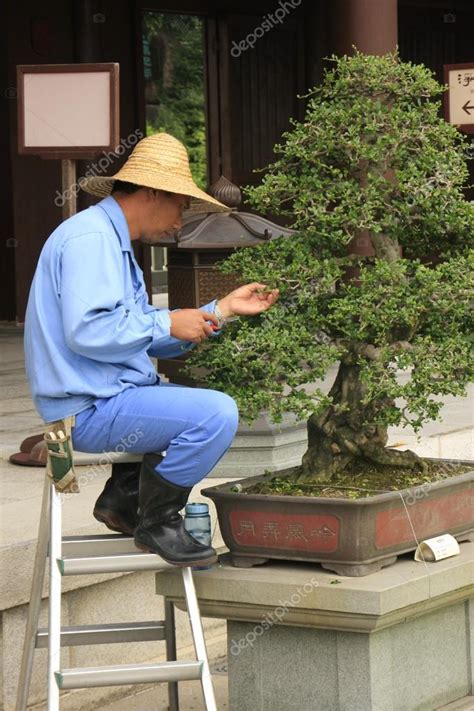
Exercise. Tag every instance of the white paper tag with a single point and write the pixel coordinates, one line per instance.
(437, 548)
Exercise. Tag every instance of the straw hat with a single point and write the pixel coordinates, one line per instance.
(161, 162)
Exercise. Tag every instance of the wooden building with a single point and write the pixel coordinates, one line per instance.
(252, 62)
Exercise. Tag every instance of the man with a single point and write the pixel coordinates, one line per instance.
(89, 335)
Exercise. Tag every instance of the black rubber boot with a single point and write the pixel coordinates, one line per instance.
(117, 505)
(160, 527)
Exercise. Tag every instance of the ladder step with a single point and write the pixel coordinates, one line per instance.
(119, 563)
(106, 634)
(103, 544)
(128, 674)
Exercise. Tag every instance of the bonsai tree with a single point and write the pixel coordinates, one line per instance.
(372, 162)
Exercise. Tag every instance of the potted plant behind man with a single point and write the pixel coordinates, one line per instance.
(376, 279)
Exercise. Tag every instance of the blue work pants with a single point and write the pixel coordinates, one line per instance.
(193, 425)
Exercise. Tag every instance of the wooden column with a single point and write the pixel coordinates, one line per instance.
(369, 25)
(68, 174)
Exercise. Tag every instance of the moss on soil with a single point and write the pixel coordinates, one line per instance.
(362, 480)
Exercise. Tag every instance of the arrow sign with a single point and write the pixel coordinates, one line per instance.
(468, 108)
(459, 99)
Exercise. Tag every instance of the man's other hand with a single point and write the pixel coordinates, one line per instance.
(248, 300)
(191, 324)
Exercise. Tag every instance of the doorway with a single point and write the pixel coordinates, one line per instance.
(173, 51)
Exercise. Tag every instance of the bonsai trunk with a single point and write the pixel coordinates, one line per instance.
(345, 431)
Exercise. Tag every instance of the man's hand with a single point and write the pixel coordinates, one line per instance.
(248, 300)
(191, 324)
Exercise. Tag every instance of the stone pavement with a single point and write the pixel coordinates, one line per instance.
(21, 488)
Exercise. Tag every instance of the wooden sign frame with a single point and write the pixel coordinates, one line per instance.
(466, 127)
(67, 152)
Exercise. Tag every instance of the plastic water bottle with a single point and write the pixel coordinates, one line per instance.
(197, 522)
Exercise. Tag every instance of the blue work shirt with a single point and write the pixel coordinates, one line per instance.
(89, 329)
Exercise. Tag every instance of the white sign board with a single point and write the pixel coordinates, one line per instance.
(68, 111)
(459, 103)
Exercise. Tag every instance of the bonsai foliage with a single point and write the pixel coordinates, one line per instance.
(372, 163)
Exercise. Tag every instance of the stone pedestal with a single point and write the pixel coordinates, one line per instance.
(298, 637)
(263, 445)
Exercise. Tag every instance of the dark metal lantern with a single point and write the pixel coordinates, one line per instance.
(207, 239)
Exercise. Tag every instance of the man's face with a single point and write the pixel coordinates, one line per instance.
(162, 215)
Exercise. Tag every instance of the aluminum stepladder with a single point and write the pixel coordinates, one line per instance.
(102, 554)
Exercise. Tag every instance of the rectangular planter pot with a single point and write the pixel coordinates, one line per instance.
(351, 537)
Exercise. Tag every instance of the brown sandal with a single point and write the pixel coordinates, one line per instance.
(36, 457)
(28, 443)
